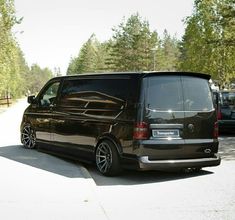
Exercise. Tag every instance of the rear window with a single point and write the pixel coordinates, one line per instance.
(197, 94)
(178, 93)
(164, 93)
(228, 98)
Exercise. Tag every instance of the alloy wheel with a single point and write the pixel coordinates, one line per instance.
(103, 157)
(28, 137)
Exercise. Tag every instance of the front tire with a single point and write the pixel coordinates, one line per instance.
(28, 137)
(107, 159)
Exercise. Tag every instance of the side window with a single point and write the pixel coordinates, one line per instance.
(71, 93)
(95, 93)
(48, 96)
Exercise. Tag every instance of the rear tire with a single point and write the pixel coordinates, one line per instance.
(107, 159)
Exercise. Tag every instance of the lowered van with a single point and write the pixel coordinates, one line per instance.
(146, 121)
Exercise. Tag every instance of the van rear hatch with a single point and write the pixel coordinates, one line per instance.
(180, 116)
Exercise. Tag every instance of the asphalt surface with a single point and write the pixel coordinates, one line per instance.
(34, 185)
(227, 147)
(209, 194)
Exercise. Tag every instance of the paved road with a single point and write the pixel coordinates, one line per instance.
(35, 185)
(155, 195)
(210, 194)
(227, 147)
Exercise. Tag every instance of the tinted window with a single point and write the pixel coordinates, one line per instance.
(164, 93)
(228, 98)
(101, 93)
(48, 96)
(197, 94)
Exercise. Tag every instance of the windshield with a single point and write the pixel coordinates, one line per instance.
(178, 93)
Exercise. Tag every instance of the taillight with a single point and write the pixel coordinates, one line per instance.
(141, 131)
(219, 115)
(216, 130)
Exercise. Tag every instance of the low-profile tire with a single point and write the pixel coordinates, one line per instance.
(28, 137)
(107, 159)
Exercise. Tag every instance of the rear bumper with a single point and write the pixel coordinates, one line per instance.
(146, 164)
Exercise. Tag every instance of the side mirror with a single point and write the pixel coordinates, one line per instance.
(31, 99)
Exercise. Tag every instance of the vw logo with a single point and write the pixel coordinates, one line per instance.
(191, 128)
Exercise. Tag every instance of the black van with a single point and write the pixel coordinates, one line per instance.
(149, 120)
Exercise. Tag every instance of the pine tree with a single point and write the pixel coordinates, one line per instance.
(91, 58)
(168, 54)
(208, 43)
(131, 47)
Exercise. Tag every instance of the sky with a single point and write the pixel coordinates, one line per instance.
(53, 31)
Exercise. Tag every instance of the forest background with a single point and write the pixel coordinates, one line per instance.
(208, 45)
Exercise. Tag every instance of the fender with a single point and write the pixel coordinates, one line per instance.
(111, 138)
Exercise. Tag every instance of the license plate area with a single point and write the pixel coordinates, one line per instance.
(166, 133)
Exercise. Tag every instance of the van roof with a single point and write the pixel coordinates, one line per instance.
(137, 74)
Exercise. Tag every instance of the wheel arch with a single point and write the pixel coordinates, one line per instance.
(113, 139)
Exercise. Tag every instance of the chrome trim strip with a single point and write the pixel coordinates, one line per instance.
(145, 159)
(164, 126)
(172, 111)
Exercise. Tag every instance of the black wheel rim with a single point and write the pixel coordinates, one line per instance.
(28, 137)
(103, 157)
